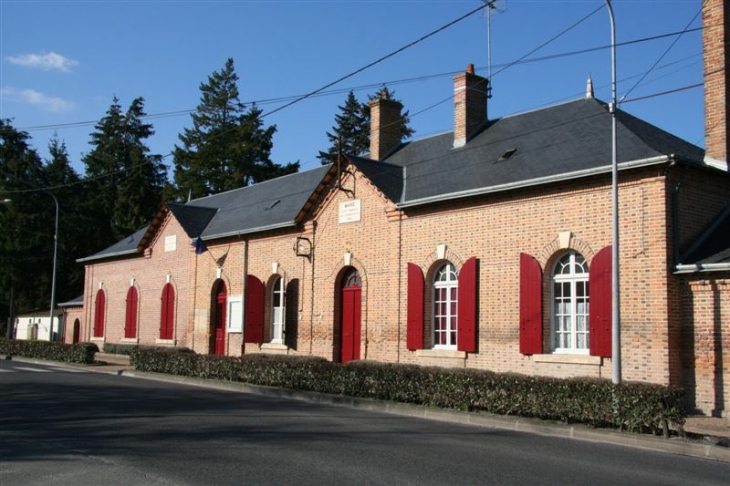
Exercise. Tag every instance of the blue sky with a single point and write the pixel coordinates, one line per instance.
(62, 62)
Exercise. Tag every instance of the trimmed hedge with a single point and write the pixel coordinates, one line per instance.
(53, 351)
(636, 407)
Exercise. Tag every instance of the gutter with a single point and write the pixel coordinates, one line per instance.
(660, 159)
(701, 268)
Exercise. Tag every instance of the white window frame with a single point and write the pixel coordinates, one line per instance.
(234, 313)
(278, 313)
(445, 279)
(576, 305)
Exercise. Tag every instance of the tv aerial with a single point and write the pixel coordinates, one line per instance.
(494, 7)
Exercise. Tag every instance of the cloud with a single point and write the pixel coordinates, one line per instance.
(35, 98)
(47, 62)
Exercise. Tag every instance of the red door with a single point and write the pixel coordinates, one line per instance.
(351, 302)
(220, 322)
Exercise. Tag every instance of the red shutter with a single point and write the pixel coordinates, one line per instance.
(99, 314)
(414, 330)
(467, 307)
(254, 324)
(130, 324)
(600, 300)
(167, 314)
(530, 305)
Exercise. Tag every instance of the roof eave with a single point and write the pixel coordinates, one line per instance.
(657, 160)
(107, 255)
(701, 268)
(288, 224)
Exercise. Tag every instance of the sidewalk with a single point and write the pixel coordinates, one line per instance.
(707, 437)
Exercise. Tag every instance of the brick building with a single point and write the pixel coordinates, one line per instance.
(488, 247)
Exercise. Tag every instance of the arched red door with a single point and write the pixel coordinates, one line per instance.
(219, 320)
(350, 319)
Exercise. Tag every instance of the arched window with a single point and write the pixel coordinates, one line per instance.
(167, 314)
(445, 305)
(277, 311)
(570, 304)
(130, 322)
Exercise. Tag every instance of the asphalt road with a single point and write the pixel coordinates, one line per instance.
(61, 426)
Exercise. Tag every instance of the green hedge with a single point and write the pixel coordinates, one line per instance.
(637, 407)
(69, 353)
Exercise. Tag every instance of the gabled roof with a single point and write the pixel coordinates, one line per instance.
(711, 251)
(267, 205)
(276, 203)
(75, 302)
(559, 142)
(127, 246)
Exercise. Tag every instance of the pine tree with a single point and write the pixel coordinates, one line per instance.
(352, 127)
(228, 146)
(124, 179)
(26, 220)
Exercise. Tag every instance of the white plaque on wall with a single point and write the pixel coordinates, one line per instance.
(170, 243)
(350, 211)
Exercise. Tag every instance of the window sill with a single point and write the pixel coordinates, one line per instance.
(440, 353)
(130, 340)
(275, 346)
(165, 342)
(579, 359)
(97, 339)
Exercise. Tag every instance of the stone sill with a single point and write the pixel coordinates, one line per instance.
(165, 342)
(577, 359)
(130, 340)
(275, 346)
(440, 353)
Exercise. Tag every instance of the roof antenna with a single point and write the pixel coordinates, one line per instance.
(498, 6)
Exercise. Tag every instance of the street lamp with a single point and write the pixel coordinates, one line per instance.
(53, 277)
(615, 288)
(55, 259)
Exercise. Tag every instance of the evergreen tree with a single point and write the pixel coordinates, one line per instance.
(228, 146)
(353, 127)
(26, 220)
(124, 179)
(73, 227)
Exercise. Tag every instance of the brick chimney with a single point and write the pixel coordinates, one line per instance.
(470, 104)
(385, 121)
(715, 46)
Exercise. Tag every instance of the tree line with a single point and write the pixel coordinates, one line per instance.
(228, 146)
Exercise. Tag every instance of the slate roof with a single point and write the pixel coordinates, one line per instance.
(75, 302)
(267, 205)
(564, 140)
(713, 246)
(275, 203)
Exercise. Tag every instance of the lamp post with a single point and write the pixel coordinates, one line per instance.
(615, 288)
(11, 320)
(53, 277)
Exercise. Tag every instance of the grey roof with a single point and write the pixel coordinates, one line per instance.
(127, 246)
(193, 219)
(713, 246)
(267, 205)
(570, 138)
(75, 302)
(275, 203)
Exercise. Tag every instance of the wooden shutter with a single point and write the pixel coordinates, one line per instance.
(467, 307)
(600, 300)
(414, 331)
(99, 314)
(254, 323)
(167, 313)
(530, 305)
(130, 323)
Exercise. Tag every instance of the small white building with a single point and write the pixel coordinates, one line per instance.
(34, 325)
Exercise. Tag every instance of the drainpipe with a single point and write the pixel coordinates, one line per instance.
(243, 297)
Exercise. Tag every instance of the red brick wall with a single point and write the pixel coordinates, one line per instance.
(149, 274)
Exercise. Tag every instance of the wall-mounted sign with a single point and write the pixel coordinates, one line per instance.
(349, 211)
(170, 243)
